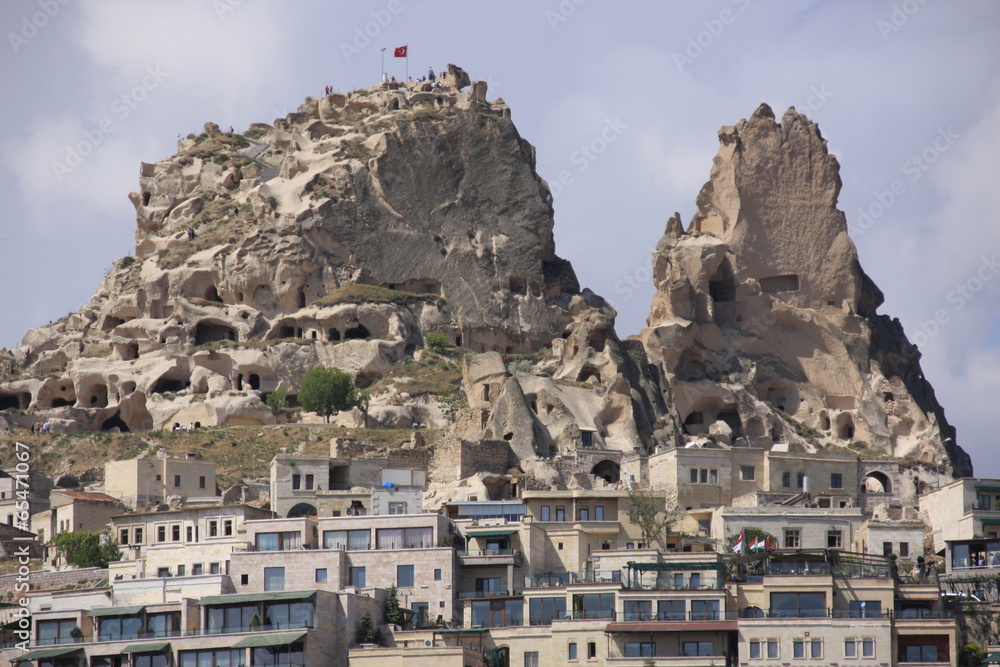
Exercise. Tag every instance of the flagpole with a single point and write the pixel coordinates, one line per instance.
(382, 76)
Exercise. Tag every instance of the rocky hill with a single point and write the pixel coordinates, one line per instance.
(347, 232)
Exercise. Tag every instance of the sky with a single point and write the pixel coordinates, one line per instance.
(622, 100)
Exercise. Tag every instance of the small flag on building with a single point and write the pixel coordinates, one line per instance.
(740, 544)
(400, 52)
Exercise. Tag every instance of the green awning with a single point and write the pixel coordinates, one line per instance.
(495, 532)
(116, 611)
(987, 488)
(156, 647)
(271, 596)
(668, 567)
(992, 658)
(990, 522)
(270, 639)
(42, 653)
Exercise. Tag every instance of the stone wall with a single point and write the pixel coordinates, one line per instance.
(41, 580)
(456, 459)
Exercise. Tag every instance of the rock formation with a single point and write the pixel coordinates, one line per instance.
(763, 319)
(346, 232)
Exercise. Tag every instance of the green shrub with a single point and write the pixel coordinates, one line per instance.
(436, 340)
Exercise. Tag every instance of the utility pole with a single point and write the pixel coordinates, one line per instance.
(382, 80)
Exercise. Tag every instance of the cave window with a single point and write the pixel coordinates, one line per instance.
(207, 332)
(333, 335)
(298, 332)
(254, 381)
(111, 322)
(722, 286)
(588, 373)
(302, 299)
(458, 341)
(131, 351)
(888, 396)
(358, 332)
(61, 403)
(732, 419)
(695, 417)
(486, 392)
(518, 285)
(239, 297)
(287, 332)
(239, 382)
(165, 385)
(845, 430)
(114, 422)
(315, 335)
(787, 283)
(145, 198)
(212, 294)
(127, 388)
(824, 422)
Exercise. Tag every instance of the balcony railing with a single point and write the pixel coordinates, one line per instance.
(568, 578)
(467, 595)
(160, 634)
(483, 553)
(669, 586)
(664, 616)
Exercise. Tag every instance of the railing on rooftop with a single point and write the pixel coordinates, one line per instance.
(669, 586)
(485, 553)
(568, 578)
(467, 595)
(663, 616)
(195, 632)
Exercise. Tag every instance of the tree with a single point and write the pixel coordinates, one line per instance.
(436, 340)
(393, 612)
(84, 549)
(364, 402)
(326, 391)
(277, 400)
(972, 655)
(652, 514)
(368, 633)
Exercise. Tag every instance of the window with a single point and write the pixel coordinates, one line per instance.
(584, 514)
(150, 660)
(591, 650)
(159, 478)
(197, 570)
(530, 657)
(244, 579)
(541, 611)
(278, 541)
(231, 618)
(594, 605)
(189, 531)
(798, 605)
(162, 572)
(704, 610)
(177, 481)
(755, 649)
(904, 549)
(138, 535)
(703, 476)
(887, 548)
(816, 649)
(201, 482)
(786, 479)
(747, 473)
(984, 502)
(545, 514)
(309, 482)
(404, 576)
(713, 476)
(694, 583)
(670, 610)
(437, 574)
(163, 625)
(599, 513)
(800, 479)
(489, 585)
(834, 539)
(296, 482)
(697, 648)
(347, 540)
(587, 438)
(161, 533)
(572, 651)
(112, 628)
(866, 608)
(638, 610)
(397, 508)
(175, 532)
(792, 538)
(772, 648)
(641, 649)
(850, 649)
(122, 536)
(212, 657)
(836, 480)
(321, 575)
(560, 513)
(868, 648)
(798, 649)
(404, 538)
(357, 575)
(213, 528)
(694, 475)
(274, 578)
(54, 632)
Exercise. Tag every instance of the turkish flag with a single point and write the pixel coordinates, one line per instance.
(400, 52)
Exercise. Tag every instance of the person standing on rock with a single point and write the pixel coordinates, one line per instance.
(430, 73)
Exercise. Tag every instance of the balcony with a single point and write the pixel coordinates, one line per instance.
(679, 616)
(473, 557)
(667, 660)
(482, 595)
(571, 578)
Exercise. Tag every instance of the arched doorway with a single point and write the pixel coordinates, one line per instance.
(877, 482)
(301, 510)
(607, 470)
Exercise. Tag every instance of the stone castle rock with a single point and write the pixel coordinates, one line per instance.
(345, 233)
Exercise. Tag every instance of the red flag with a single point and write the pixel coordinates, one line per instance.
(400, 52)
